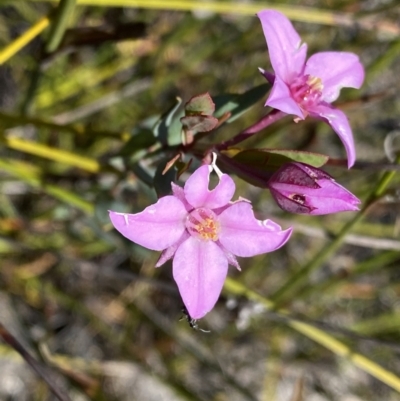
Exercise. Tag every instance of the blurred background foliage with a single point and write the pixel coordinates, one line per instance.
(79, 80)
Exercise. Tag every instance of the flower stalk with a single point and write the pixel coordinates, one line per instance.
(272, 117)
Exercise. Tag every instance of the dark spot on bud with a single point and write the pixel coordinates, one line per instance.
(301, 199)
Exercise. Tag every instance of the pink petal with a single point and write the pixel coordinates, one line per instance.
(230, 256)
(337, 70)
(199, 269)
(340, 124)
(243, 235)
(280, 98)
(197, 192)
(334, 198)
(180, 194)
(169, 253)
(286, 52)
(158, 227)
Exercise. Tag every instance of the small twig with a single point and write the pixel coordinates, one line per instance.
(265, 121)
(364, 165)
(353, 239)
(350, 334)
(106, 101)
(59, 24)
(33, 363)
(24, 39)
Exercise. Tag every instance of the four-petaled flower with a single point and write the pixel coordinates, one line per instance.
(203, 232)
(308, 88)
(304, 189)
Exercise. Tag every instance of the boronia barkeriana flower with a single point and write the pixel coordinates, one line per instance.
(203, 231)
(309, 87)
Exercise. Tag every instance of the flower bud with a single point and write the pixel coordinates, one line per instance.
(301, 188)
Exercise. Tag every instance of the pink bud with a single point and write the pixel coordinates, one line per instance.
(301, 188)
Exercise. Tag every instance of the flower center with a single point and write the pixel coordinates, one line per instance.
(203, 224)
(306, 90)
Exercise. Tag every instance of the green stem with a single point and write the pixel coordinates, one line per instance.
(34, 82)
(57, 29)
(23, 40)
(59, 24)
(16, 120)
(380, 261)
(297, 280)
(319, 336)
(53, 154)
(32, 176)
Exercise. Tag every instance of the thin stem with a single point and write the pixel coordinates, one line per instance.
(263, 123)
(59, 24)
(321, 337)
(364, 165)
(27, 103)
(36, 366)
(24, 39)
(54, 154)
(57, 30)
(296, 13)
(296, 281)
(32, 176)
(17, 120)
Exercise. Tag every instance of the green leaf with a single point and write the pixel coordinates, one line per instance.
(142, 174)
(168, 128)
(197, 124)
(143, 139)
(313, 159)
(200, 104)
(162, 182)
(257, 165)
(238, 104)
(272, 159)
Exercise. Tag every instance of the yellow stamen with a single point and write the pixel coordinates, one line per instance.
(315, 83)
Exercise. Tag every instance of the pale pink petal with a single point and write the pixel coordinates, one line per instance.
(230, 256)
(243, 235)
(158, 227)
(286, 52)
(169, 253)
(199, 269)
(340, 124)
(280, 98)
(334, 198)
(180, 194)
(336, 70)
(198, 194)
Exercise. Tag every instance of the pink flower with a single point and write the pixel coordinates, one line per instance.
(300, 188)
(308, 88)
(203, 232)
